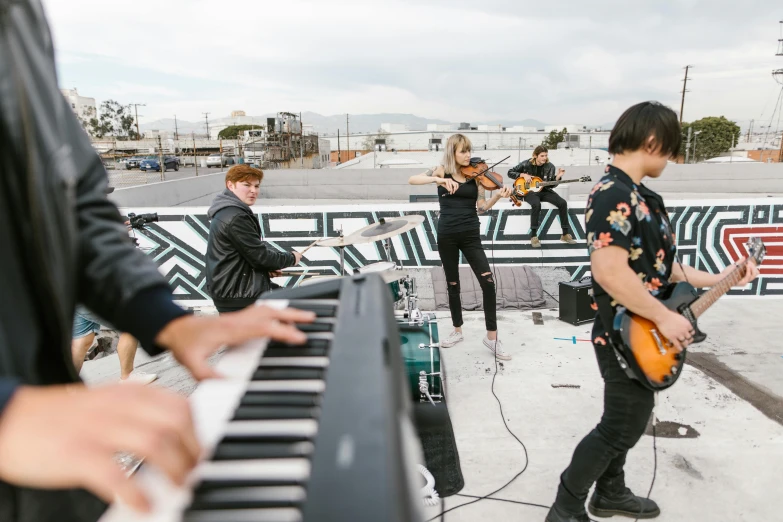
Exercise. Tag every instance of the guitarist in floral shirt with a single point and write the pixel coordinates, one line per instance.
(633, 259)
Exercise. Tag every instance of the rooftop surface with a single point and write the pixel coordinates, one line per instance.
(721, 462)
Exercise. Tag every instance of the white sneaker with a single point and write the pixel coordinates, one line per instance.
(496, 347)
(140, 378)
(453, 338)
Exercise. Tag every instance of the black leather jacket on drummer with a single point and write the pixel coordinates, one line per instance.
(546, 172)
(238, 261)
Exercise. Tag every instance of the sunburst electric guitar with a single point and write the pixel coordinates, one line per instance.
(536, 184)
(645, 354)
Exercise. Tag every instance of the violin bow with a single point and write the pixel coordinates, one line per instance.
(490, 168)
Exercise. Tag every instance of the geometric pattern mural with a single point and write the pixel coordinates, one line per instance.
(710, 236)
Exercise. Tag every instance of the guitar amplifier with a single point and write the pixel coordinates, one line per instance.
(575, 299)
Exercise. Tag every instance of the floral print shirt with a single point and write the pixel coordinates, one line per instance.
(633, 217)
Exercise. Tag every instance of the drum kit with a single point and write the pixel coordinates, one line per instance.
(418, 331)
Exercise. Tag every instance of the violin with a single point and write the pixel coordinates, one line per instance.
(484, 176)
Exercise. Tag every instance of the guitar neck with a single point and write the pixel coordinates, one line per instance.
(548, 183)
(700, 305)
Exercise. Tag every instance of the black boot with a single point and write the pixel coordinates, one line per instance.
(556, 515)
(624, 503)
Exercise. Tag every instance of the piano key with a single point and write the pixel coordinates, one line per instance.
(280, 399)
(296, 351)
(321, 307)
(272, 428)
(261, 470)
(301, 362)
(236, 449)
(275, 412)
(313, 386)
(287, 374)
(249, 497)
(321, 324)
(245, 515)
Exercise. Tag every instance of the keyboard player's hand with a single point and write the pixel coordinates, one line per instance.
(193, 339)
(67, 436)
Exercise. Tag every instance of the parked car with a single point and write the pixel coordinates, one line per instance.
(153, 163)
(133, 163)
(217, 160)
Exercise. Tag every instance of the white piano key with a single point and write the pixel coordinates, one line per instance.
(306, 428)
(295, 362)
(246, 515)
(289, 470)
(302, 386)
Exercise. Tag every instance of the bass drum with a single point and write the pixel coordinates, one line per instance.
(388, 271)
(418, 342)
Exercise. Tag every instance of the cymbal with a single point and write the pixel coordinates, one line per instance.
(386, 228)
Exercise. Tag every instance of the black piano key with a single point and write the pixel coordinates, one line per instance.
(250, 497)
(284, 350)
(280, 399)
(317, 326)
(275, 412)
(321, 309)
(244, 449)
(271, 373)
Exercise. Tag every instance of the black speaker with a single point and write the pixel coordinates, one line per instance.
(575, 300)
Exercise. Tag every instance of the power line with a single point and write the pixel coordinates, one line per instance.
(206, 118)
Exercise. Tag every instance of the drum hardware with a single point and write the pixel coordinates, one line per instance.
(424, 387)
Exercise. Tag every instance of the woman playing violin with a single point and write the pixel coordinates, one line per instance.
(458, 231)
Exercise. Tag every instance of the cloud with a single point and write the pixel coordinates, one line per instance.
(566, 61)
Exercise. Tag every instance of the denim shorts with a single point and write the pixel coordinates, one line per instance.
(85, 323)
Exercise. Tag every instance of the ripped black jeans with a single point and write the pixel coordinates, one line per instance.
(449, 247)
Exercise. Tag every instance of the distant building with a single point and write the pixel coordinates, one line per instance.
(571, 127)
(83, 107)
(394, 127)
(235, 114)
(441, 127)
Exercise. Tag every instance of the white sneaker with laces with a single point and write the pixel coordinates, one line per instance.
(140, 378)
(496, 347)
(453, 338)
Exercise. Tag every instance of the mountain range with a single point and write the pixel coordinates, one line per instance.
(358, 123)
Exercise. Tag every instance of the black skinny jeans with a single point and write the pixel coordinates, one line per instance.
(534, 199)
(600, 456)
(449, 247)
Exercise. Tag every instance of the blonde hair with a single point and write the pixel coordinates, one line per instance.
(454, 143)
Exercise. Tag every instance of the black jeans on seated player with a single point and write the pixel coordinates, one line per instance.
(534, 199)
(600, 456)
(449, 247)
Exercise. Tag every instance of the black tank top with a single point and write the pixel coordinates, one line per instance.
(458, 211)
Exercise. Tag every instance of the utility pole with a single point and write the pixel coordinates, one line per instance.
(206, 118)
(136, 107)
(301, 139)
(519, 150)
(176, 131)
(195, 160)
(684, 90)
(348, 137)
(590, 152)
(338, 145)
(160, 158)
(750, 130)
(688, 145)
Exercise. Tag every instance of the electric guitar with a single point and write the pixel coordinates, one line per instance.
(645, 354)
(536, 184)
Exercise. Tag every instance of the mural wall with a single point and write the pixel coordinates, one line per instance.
(710, 235)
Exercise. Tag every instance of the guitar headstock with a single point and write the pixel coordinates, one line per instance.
(585, 178)
(756, 249)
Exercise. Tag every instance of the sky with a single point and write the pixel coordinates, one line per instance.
(558, 62)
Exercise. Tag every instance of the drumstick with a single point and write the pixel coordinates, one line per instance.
(311, 245)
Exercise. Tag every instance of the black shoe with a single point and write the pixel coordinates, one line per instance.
(624, 503)
(556, 515)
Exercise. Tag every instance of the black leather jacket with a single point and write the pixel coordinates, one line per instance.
(63, 242)
(238, 261)
(546, 172)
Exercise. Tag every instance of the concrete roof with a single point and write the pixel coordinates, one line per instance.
(730, 471)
